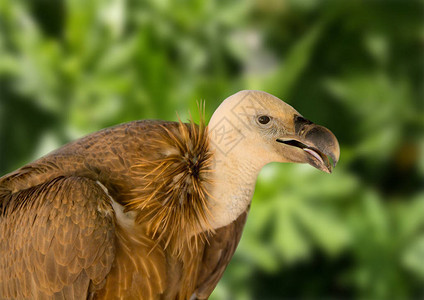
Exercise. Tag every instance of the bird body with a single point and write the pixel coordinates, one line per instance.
(146, 209)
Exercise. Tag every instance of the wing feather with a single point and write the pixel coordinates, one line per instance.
(217, 255)
(141, 276)
(58, 239)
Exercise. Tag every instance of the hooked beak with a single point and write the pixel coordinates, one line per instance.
(319, 145)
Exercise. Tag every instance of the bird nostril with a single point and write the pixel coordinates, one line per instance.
(300, 123)
(300, 119)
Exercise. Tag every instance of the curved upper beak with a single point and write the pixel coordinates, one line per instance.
(320, 145)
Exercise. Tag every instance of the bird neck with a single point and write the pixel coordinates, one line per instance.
(233, 183)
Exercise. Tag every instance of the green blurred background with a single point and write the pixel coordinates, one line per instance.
(68, 68)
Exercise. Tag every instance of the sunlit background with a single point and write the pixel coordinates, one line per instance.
(68, 68)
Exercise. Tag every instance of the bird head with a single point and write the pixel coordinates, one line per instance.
(257, 127)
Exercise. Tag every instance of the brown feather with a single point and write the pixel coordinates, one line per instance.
(172, 195)
(35, 260)
(138, 272)
(218, 254)
(159, 170)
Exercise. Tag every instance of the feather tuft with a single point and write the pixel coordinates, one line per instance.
(173, 194)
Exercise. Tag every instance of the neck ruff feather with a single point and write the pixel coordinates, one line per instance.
(173, 194)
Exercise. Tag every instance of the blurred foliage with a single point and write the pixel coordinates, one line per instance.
(68, 68)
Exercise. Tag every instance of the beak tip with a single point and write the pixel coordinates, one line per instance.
(325, 141)
(334, 161)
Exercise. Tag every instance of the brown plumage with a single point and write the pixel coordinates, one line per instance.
(146, 209)
(173, 190)
(62, 189)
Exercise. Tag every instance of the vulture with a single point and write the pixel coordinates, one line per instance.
(147, 209)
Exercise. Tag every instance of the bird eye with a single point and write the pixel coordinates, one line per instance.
(264, 119)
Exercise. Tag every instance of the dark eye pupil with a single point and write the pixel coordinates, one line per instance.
(263, 119)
